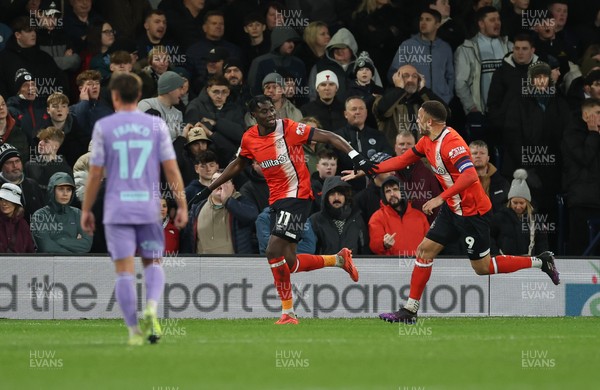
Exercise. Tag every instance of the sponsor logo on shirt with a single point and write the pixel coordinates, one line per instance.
(457, 151)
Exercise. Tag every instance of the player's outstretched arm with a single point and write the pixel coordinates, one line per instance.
(232, 170)
(92, 187)
(176, 186)
(360, 162)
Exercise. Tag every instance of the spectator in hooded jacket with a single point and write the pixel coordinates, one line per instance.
(396, 228)
(15, 235)
(339, 224)
(281, 57)
(56, 228)
(339, 58)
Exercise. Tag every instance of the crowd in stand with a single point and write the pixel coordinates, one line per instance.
(520, 79)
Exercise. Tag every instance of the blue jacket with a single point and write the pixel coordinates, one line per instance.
(242, 214)
(433, 59)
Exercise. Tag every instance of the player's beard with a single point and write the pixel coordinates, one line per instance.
(423, 129)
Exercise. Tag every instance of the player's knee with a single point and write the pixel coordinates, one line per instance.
(480, 268)
(424, 252)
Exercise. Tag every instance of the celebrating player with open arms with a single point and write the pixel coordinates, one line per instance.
(276, 144)
(465, 212)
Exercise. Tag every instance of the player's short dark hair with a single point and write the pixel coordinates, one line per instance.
(525, 37)
(256, 100)
(482, 12)
(435, 13)
(479, 143)
(326, 154)
(127, 85)
(589, 103)
(206, 157)
(436, 110)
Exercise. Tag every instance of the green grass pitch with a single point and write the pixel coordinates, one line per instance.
(437, 353)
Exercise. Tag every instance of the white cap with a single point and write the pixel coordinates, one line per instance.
(11, 192)
(326, 75)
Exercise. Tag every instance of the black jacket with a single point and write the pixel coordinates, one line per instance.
(367, 141)
(330, 116)
(581, 149)
(354, 235)
(532, 140)
(229, 127)
(39, 63)
(510, 234)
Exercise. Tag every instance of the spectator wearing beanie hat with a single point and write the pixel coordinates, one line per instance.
(273, 87)
(26, 106)
(169, 95)
(11, 167)
(363, 85)
(514, 230)
(327, 107)
(234, 72)
(15, 235)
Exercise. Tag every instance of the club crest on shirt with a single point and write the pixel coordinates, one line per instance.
(300, 129)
